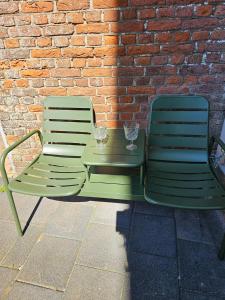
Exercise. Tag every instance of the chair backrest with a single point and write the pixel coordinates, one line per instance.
(67, 125)
(179, 124)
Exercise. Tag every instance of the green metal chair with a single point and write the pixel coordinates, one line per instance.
(179, 172)
(58, 170)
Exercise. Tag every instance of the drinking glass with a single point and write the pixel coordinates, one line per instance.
(131, 134)
(100, 133)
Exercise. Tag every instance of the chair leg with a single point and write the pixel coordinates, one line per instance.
(14, 211)
(221, 254)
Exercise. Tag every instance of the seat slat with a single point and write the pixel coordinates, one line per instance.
(49, 182)
(182, 176)
(53, 175)
(66, 138)
(68, 101)
(78, 115)
(191, 184)
(178, 155)
(180, 116)
(173, 141)
(178, 167)
(177, 129)
(67, 126)
(50, 168)
(180, 102)
(60, 161)
(63, 150)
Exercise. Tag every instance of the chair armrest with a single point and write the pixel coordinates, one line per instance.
(10, 148)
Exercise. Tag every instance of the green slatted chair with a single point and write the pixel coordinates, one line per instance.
(179, 172)
(58, 170)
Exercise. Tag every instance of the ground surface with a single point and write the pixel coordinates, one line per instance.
(106, 251)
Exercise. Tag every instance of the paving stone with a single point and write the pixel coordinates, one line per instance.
(190, 226)
(23, 291)
(19, 252)
(153, 235)
(7, 277)
(187, 295)
(8, 237)
(152, 209)
(50, 262)
(111, 213)
(104, 248)
(200, 269)
(69, 220)
(151, 277)
(92, 284)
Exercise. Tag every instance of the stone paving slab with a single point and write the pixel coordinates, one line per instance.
(112, 213)
(153, 235)
(23, 291)
(200, 269)
(7, 277)
(92, 284)
(191, 226)
(151, 209)
(50, 262)
(151, 277)
(69, 220)
(104, 248)
(21, 249)
(8, 237)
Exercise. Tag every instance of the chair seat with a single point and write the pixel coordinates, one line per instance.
(185, 185)
(50, 176)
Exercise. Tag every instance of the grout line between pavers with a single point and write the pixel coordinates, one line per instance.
(50, 287)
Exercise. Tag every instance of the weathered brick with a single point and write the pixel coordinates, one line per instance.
(93, 16)
(58, 30)
(3, 33)
(203, 10)
(95, 72)
(49, 91)
(94, 40)
(77, 40)
(36, 7)
(130, 13)
(184, 11)
(35, 108)
(109, 3)
(199, 23)
(109, 51)
(200, 35)
(40, 19)
(61, 41)
(22, 83)
(160, 25)
(24, 31)
(147, 13)
(77, 52)
(141, 90)
(58, 18)
(22, 20)
(35, 73)
(14, 53)
(27, 42)
(12, 43)
(147, 2)
(45, 53)
(75, 18)
(182, 36)
(9, 7)
(7, 21)
(111, 40)
(72, 5)
(218, 35)
(44, 42)
(129, 26)
(65, 72)
(137, 50)
(92, 28)
(165, 12)
(128, 39)
(220, 10)
(111, 15)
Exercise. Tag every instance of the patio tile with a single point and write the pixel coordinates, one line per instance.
(104, 248)
(153, 235)
(152, 209)
(69, 220)
(151, 277)
(187, 295)
(191, 226)
(21, 249)
(8, 237)
(23, 291)
(92, 284)
(7, 277)
(111, 213)
(200, 269)
(50, 262)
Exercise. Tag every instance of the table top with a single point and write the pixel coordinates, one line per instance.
(114, 152)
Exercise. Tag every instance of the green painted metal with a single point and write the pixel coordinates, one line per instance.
(178, 169)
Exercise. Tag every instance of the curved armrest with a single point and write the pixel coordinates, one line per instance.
(10, 148)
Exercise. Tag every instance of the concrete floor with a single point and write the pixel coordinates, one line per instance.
(107, 250)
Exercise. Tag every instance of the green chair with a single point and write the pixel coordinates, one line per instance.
(179, 172)
(58, 170)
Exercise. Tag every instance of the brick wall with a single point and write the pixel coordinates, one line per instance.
(120, 52)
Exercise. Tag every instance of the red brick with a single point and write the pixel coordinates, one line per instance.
(129, 26)
(218, 35)
(44, 42)
(159, 60)
(160, 25)
(5, 8)
(220, 10)
(94, 62)
(147, 2)
(128, 39)
(12, 43)
(184, 11)
(126, 116)
(130, 13)
(97, 72)
(111, 40)
(94, 40)
(40, 19)
(185, 48)
(142, 60)
(58, 18)
(173, 80)
(49, 91)
(147, 13)
(77, 40)
(82, 91)
(35, 73)
(126, 61)
(165, 12)
(93, 16)
(137, 50)
(109, 3)
(130, 71)
(164, 37)
(111, 15)
(59, 29)
(72, 5)
(79, 62)
(141, 90)
(200, 35)
(109, 51)
(111, 91)
(36, 7)
(82, 82)
(177, 59)
(65, 72)
(77, 52)
(35, 108)
(203, 10)
(92, 28)
(75, 18)
(45, 53)
(110, 61)
(182, 36)
(126, 108)
(199, 23)
(24, 31)
(145, 38)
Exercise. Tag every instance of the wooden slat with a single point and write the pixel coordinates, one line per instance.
(178, 155)
(180, 102)
(64, 150)
(173, 141)
(54, 114)
(179, 116)
(68, 101)
(67, 126)
(179, 129)
(66, 138)
(178, 167)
